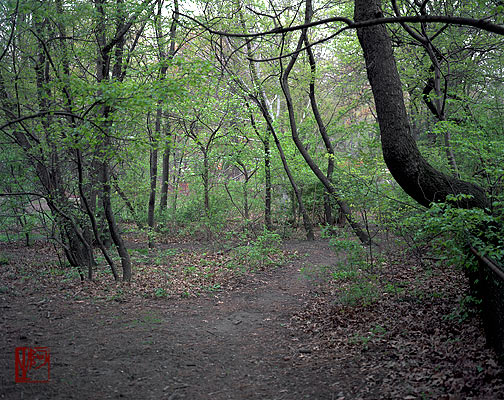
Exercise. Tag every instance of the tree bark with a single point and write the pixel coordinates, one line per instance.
(163, 200)
(114, 230)
(153, 161)
(165, 177)
(267, 182)
(412, 172)
(103, 68)
(78, 250)
(322, 130)
(205, 176)
(284, 82)
(269, 122)
(90, 213)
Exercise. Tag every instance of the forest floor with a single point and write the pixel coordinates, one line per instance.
(285, 332)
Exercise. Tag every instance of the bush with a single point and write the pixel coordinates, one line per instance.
(451, 230)
(265, 251)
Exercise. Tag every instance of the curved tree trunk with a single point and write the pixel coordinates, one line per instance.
(114, 229)
(412, 172)
(269, 122)
(284, 83)
(103, 69)
(329, 219)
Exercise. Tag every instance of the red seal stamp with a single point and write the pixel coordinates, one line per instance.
(33, 364)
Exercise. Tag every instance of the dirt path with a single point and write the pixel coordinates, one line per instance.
(275, 335)
(233, 345)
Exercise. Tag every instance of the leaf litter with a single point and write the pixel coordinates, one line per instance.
(409, 335)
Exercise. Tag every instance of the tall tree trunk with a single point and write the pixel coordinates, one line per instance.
(322, 130)
(163, 201)
(206, 184)
(307, 223)
(153, 161)
(153, 167)
(358, 230)
(412, 172)
(90, 213)
(284, 82)
(206, 193)
(85, 205)
(103, 69)
(267, 182)
(165, 177)
(114, 230)
(176, 180)
(77, 249)
(246, 201)
(269, 122)
(265, 139)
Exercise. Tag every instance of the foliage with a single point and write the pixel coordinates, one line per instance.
(215, 135)
(450, 229)
(261, 253)
(354, 271)
(3, 259)
(468, 307)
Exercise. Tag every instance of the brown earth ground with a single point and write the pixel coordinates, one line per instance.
(276, 333)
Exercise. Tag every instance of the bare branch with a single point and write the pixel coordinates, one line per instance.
(463, 21)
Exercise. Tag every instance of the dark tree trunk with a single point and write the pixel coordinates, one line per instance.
(412, 172)
(152, 193)
(114, 230)
(284, 82)
(329, 219)
(78, 250)
(360, 233)
(153, 169)
(306, 219)
(165, 176)
(163, 201)
(245, 201)
(176, 180)
(267, 182)
(103, 69)
(205, 176)
(90, 213)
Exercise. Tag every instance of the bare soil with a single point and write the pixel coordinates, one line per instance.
(278, 333)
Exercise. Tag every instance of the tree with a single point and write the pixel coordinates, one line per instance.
(60, 100)
(164, 57)
(163, 201)
(259, 98)
(38, 135)
(419, 179)
(414, 174)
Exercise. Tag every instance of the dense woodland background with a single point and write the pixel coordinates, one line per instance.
(140, 113)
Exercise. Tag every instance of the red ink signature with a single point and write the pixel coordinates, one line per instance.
(31, 364)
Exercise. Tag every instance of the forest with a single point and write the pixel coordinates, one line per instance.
(252, 199)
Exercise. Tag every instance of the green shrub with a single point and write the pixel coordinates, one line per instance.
(265, 251)
(451, 230)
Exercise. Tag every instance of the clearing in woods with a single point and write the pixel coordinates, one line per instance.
(276, 333)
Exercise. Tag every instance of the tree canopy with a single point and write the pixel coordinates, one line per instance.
(110, 108)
